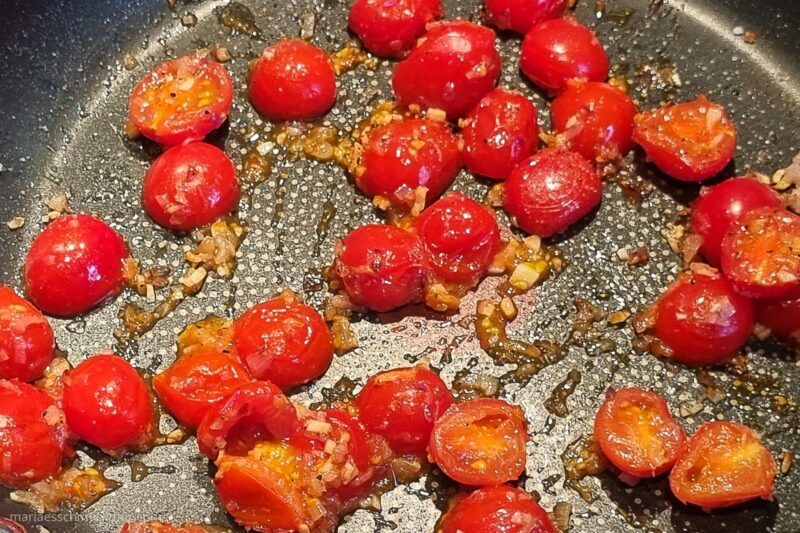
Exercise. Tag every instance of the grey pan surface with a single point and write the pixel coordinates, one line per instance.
(63, 94)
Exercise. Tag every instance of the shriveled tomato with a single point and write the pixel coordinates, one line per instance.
(551, 191)
(480, 442)
(761, 253)
(182, 100)
(381, 267)
(389, 29)
(293, 80)
(26, 338)
(500, 509)
(723, 464)
(160, 527)
(499, 133)
(690, 141)
(522, 15)
(559, 50)
(781, 316)
(452, 67)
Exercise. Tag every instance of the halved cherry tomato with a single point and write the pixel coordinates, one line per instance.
(402, 405)
(389, 29)
(637, 433)
(522, 15)
(182, 100)
(480, 442)
(551, 191)
(722, 205)
(452, 67)
(723, 464)
(26, 338)
(293, 80)
(781, 316)
(160, 527)
(74, 265)
(761, 253)
(499, 133)
(691, 141)
(381, 267)
(703, 320)
(106, 404)
(500, 509)
(189, 186)
(559, 50)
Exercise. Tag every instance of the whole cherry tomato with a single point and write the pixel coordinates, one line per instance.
(781, 316)
(26, 338)
(500, 509)
(390, 29)
(522, 15)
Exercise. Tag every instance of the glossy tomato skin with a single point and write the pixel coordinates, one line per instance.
(781, 316)
(723, 464)
(594, 119)
(74, 265)
(498, 509)
(452, 67)
(521, 15)
(381, 267)
(293, 80)
(182, 100)
(402, 405)
(390, 29)
(690, 141)
(551, 191)
(559, 50)
(720, 206)
(189, 186)
(499, 133)
(26, 338)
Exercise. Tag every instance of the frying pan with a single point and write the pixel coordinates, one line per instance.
(62, 114)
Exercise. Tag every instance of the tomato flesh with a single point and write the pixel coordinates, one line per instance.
(27, 343)
(521, 15)
(500, 509)
(390, 29)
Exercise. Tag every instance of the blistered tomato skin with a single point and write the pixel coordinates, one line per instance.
(293, 80)
(551, 191)
(500, 509)
(390, 29)
(26, 338)
(74, 265)
(522, 15)
(781, 316)
(452, 67)
(499, 133)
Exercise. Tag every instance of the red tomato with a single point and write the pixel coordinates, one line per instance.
(452, 67)
(559, 50)
(781, 316)
(406, 154)
(160, 527)
(522, 15)
(389, 29)
(182, 100)
(74, 265)
(106, 404)
(723, 464)
(499, 133)
(480, 442)
(11, 527)
(720, 206)
(500, 509)
(26, 338)
(551, 191)
(32, 435)
(691, 141)
(293, 80)
(760, 253)
(381, 267)
(460, 237)
(595, 120)
(402, 405)
(637, 433)
(189, 186)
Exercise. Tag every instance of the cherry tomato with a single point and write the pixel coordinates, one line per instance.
(760, 253)
(106, 404)
(402, 405)
(722, 205)
(74, 265)
(691, 141)
(381, 267)
(452, 67)
(595, 120)
(480, 442)
(189, 186)
(551, 191)
(26, 338)
(637, 433)
(559, 50)
(406, 154)
(460, 237)
(781, 316)
(499, 133)
(723, 464)
(11, 527)
(160, 527)
(390, 29)
(182, 100)
(293, 80)
(500, 509)
(522, 15)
